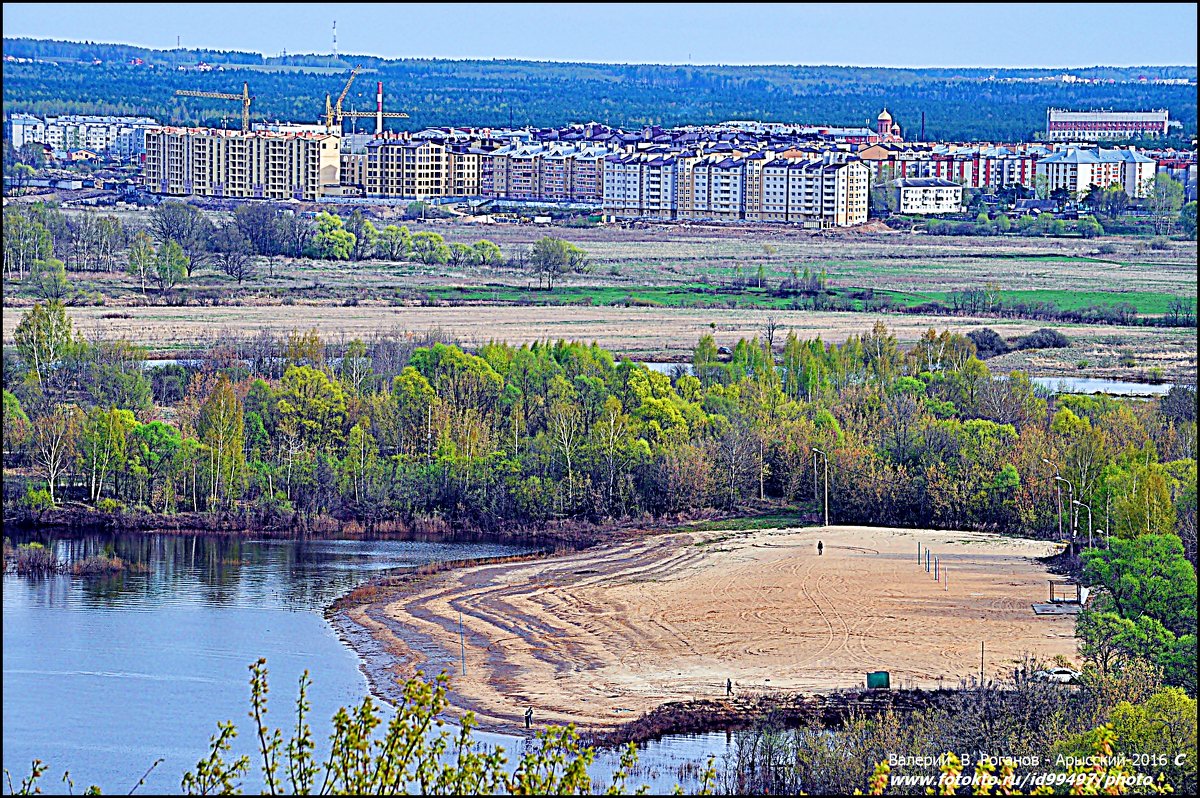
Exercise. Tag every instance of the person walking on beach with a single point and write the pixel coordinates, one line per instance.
(729, 687)
(820, 548)
(529, 718)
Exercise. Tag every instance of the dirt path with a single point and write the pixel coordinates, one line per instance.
(601, 636)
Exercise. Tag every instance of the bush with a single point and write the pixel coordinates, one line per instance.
(1044, 338)
(1127, 359)
(37, 499)
(988, 343)
(1107, 249)
(108, 506)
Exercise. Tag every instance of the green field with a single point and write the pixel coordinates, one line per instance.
(1148, 303)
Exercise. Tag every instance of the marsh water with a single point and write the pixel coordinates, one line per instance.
(104, 675)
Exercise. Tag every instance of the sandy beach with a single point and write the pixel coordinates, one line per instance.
(601, 636)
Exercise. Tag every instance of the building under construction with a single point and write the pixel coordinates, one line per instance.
(259, 164)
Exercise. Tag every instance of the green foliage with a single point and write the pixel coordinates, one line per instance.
(331, 240)
(1187, 219)
(430, 249)
(393, 242)
(553, 258)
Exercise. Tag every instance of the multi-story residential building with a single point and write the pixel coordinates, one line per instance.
(227, 163)
(1077, 170)
(927, 195)
(462, 170)
(1063, 125)
(755, 186)
(402, 167)
(115, 136)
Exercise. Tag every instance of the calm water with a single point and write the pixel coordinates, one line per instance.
(103, 675)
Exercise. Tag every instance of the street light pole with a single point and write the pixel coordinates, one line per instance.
(1071, 494)
(1057, 496)
(1089, 509)
(826, 458)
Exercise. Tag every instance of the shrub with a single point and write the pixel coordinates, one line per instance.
(1082, 364)
(988, 343)
(1160, 243)
(1127, 359)
(37, 499)
(1044, 338)
(108, 505)
(1107, 249)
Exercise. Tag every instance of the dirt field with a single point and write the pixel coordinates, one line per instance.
(599, 637)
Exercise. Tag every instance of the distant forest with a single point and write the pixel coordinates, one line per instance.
(958, 104)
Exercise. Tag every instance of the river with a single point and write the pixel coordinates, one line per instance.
(103, 675)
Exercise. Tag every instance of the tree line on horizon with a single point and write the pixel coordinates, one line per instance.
(958, 104)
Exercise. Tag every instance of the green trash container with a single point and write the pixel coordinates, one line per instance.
(878, 680)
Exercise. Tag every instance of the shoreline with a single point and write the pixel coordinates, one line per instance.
(537, 633)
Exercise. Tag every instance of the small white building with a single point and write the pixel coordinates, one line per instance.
(927, 195)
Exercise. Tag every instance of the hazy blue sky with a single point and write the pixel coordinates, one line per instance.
(1050, 35)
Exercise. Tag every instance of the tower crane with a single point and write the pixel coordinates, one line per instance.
(333, 112)
(215, 95)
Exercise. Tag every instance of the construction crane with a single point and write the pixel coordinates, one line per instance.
(333, 111)
(215, 95)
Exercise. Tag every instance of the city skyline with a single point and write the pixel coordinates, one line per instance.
(753, 34)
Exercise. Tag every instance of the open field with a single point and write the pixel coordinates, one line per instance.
(600, 636)
(642, 333)
(666, 263)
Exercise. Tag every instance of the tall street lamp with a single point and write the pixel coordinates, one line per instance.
(1089, 509)
(817, 451)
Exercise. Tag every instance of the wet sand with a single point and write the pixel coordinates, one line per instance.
(601, 636)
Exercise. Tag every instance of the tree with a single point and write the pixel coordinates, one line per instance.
(26, 241)
(332, 241)
(461, 255)
(233, 251)
(187, 226)
(296, 235)
(430, 248)
(102, 445)
(552, 258)
(22, 174)
(1164, 200)
(170, 266)
(487, 253)
(17, 428)
(1114, 201)
(141, 260)
(394, 242)
(1090, 228)
(261, 226)
(1187, 219)
(220, 427)
(365, 236)
(43, 337)
(49, 280)
(54, 439)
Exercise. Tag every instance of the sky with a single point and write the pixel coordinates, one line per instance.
(895, 35)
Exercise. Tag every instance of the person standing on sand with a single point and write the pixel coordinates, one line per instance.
(529, 718)
(820, 548)
(729, 687)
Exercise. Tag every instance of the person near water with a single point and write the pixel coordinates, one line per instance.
(729, 687)
(529, 718)
(820, 548)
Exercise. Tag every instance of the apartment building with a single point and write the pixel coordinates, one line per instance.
(1077, 170)
(758, 186)
(463, 164)
(120, 137)
(227, 163)
(927, 195)
(1063, 125)
(407, 168)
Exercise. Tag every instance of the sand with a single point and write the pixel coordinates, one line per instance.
(601, 636)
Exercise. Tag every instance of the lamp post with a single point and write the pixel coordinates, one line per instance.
(1057, 496)
(1089, 509)
(817, 451)
(1071, 494)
